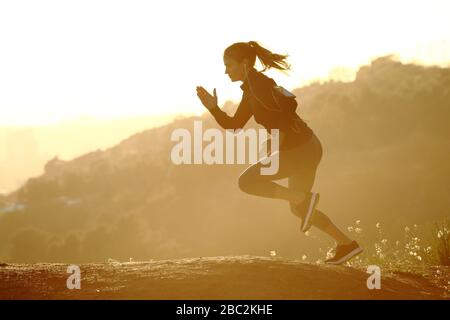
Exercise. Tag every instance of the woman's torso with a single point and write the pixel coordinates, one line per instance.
(293, 130)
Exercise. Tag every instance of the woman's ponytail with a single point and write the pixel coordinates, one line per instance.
(252, 49)
(269, 59)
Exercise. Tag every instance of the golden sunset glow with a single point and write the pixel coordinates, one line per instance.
(224, 150)
(108, 59)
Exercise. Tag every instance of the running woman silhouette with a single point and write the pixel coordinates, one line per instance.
(299, 152)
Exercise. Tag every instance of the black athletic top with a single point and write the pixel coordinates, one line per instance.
(258, 101)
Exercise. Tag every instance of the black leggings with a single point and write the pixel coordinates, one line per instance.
(299, 165)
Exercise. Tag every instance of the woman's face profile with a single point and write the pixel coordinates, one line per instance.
(235, 70)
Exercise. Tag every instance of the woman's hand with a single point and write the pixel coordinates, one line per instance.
(208, 100)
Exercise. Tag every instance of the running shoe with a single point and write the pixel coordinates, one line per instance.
(344, 253)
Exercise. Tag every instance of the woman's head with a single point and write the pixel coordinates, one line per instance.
(241, 57)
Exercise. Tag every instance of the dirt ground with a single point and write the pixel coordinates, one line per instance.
(228, 277)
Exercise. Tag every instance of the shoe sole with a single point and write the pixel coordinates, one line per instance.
(312, 206)
(347, 257)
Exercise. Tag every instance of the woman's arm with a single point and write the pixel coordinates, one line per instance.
(240, 118)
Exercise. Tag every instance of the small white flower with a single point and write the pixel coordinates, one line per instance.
(304, 257)
(330, 253)
(358, 221)
(378, 225)
(273, 253)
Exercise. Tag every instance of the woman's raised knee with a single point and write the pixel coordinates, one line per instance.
(245, 182)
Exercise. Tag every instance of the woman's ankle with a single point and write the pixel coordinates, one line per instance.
(344, 242)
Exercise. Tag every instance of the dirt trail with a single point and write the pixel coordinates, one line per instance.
(229, 277)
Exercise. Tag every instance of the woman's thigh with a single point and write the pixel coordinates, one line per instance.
(293, 164)
(303, 177)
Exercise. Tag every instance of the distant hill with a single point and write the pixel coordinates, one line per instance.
(24, 150)
(386, 159)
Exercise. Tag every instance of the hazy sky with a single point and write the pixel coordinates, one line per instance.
(65, 59)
